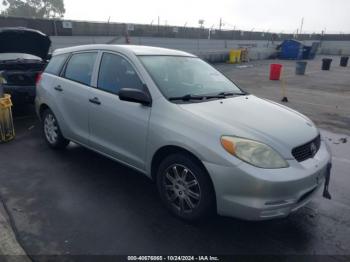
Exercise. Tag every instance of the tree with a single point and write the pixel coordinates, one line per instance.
(34, 8)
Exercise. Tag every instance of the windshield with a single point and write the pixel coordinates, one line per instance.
(18, 56)
(178, 76)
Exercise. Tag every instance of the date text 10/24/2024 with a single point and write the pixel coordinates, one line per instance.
(173, 258)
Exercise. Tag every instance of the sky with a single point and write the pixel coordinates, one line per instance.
(333, 16)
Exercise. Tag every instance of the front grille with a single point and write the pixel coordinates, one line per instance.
(308, 150)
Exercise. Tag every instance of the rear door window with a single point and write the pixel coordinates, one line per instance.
(117, 73)
(80, 67)
(56, 63)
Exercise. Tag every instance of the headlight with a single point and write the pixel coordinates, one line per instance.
(253, 152)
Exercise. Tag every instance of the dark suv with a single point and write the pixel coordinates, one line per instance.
(23, 56)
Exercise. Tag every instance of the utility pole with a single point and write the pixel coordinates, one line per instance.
(109, 19)
(55, 27)
(210, 31)
(301, 25)
(220, 24)
(158, 24)
(322, 36)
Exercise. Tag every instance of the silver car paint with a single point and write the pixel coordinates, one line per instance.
(132, 134)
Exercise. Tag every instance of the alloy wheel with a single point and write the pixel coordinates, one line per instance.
(51, 129)
(182, 188)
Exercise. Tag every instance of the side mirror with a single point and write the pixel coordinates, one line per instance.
(135, 95)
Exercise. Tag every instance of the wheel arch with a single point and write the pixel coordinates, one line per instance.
(165, 151)
(42, 109)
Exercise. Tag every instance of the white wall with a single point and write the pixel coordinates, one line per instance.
(335, 48)
(203, 47)
(67, 41)
(258, 49)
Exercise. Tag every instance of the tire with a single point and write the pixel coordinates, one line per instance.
(185, 187)
(52, 132)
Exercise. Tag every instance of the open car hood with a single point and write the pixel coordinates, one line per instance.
(24, 40)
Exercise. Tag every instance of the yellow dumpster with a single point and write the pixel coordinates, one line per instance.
(235, 56)
(7, 131)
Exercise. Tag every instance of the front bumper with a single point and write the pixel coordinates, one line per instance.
(21, 94)
(252, 193)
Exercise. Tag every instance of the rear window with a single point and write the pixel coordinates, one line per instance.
(80, 67)
(56, 63)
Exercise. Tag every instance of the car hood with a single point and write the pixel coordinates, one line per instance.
(259, 119)
(23, 40)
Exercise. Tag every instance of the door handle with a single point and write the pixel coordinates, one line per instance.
(95, 101)
(58, 88)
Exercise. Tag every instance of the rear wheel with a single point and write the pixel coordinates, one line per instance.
(185, 187)
(52, 132)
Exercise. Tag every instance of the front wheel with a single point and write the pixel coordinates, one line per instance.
(185, 187)
(52, 132)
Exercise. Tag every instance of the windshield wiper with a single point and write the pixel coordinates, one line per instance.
(195, 97)
(186, 97)
(231, 94)
(221, 95)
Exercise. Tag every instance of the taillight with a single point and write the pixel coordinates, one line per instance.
(38, 78)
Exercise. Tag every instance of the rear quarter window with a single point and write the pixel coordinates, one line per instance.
(56, 63)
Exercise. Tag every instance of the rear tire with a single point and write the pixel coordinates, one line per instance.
(185, 187)
(52, 132)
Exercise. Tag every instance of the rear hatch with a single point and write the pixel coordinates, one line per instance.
(24, 40)
(16, 68)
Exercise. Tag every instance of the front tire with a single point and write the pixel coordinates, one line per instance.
(185, 187)
(52, 132)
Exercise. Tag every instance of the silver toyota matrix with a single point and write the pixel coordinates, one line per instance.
(209, 146)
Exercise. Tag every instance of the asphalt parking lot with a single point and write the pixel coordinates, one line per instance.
(79, 203)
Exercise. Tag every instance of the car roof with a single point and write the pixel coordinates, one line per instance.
(135, 49)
